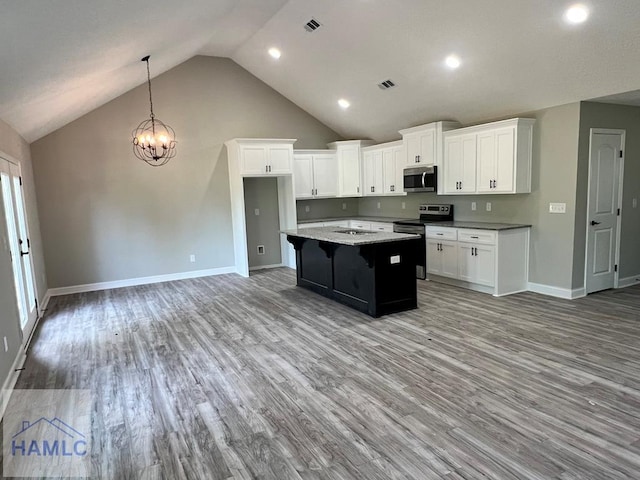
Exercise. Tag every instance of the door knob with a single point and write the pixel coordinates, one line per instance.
(593, 222)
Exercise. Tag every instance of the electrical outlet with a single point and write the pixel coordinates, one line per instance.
(488, 206)
(6, 345)
(557, 208)
(404, 205)
(378, 205)
(257, 212)
(344, 205)
(634, 203)
(192, 258)
(307, 209)
(260, 249)
(473, 206)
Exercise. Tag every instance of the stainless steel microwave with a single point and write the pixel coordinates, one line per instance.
(420, 179)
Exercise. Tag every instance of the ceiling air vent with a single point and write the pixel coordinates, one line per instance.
(312, 25)
(387, 84)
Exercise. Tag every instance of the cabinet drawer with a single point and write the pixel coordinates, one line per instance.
(487, 237)
(337, 223)
(381, 227)
(360, 225)
(443, 233)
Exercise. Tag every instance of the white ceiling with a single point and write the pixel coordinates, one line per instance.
(63, 58)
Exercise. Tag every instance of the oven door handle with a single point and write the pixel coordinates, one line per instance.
(424, 174)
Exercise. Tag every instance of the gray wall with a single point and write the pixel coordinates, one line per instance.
(600, 115)
(107, 216)
(555, 153)
(327, 208)
(13, 145)
(262, 229)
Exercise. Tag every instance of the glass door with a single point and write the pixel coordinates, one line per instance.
(19, 243)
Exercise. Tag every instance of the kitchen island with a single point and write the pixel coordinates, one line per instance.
(373, 272)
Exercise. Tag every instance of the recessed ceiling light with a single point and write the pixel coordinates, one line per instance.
(275, 53)
(577, 13)
(452, 61)
(344, 104)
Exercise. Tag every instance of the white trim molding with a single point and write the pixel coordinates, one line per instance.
(628, 281)
(131, 282)
(264, 267)
(557, 291)
(12, 378)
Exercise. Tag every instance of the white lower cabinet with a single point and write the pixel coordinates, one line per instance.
(491, 261)
(381, 227)
(476, 263)
(442, 258)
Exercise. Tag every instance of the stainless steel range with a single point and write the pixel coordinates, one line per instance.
(428, 214)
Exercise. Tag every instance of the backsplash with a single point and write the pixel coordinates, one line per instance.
(504, 208)
(327, 208)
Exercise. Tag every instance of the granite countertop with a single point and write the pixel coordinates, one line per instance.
(479, 225)
(331, 235)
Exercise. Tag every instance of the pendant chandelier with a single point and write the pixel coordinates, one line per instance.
(154, 141)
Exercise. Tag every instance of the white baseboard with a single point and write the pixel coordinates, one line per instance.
(11, 379)
(92, 287)
(558, 292)
(628, 281)
(264, 267)
(45, 302)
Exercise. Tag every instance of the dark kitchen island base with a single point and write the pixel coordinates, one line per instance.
(374, 278)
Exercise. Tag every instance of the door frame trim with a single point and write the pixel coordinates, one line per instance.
(623, 134)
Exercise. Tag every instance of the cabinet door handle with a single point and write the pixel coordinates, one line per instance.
(473, 236)
(440, 234)
(476, 251)
(358, 189)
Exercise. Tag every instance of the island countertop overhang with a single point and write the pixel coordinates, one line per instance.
(337, 235)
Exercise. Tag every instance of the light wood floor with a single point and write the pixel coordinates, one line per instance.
(232, 378)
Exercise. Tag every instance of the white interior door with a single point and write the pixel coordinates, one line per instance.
(19, 243)
(605, 190)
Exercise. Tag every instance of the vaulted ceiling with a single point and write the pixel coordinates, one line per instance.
(60, 59)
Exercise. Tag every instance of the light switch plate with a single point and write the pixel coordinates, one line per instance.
(257, 211)
(307, 209)
(634, 202)
(557, 208)
(488, 206)
(473, 206)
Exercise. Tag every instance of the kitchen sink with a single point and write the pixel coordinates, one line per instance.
(354, 232)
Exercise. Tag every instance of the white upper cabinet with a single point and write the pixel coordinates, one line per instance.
(349, 166)
(423, 144)
(460, 164)
(382, 169)
(394, 161)
(372, 170)
(500, 158)
(260, 157)
(315, 173)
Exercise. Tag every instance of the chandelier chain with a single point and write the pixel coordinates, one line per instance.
(149, 84)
